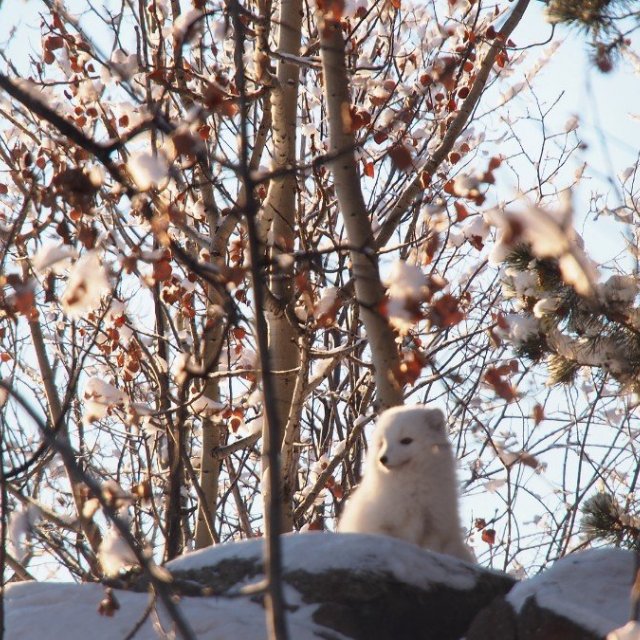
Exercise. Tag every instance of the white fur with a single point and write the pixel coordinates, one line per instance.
(413, 495)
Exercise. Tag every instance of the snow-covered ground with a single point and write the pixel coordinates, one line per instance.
(59, 611)
(54, 611)
(592, 588)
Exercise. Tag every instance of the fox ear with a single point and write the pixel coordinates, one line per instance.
(435, 420)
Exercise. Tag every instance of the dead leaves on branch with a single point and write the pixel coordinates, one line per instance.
(412, 362)
(21, 301)
(216, 99)
(496, 378)
(401, 157)
(77, 187)
(413, 296)
(445, 312)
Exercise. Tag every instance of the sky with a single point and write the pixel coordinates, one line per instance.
(605, 105)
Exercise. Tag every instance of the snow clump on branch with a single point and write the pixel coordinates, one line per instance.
(148, 171)
(86, 285)
(407, 288)
(115, 554)
(550, 234)
(53, 257)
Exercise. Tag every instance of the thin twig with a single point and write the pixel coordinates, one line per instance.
(416, 187)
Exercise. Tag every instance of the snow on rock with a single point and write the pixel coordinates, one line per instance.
(70, 611)
(591, 588)
(364, 586)
(337, 586)
(319, 552)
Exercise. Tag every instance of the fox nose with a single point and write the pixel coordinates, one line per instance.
(384, 460)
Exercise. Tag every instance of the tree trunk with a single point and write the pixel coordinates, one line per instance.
(368, 287)
(89, 528)
(277, 228)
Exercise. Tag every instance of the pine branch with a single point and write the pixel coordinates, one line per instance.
(604, 519)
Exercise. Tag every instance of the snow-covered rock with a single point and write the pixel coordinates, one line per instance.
(342, 586)
(337, 586)
(360, 586)
(584, 596)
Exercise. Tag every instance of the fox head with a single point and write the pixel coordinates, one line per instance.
(407, 435)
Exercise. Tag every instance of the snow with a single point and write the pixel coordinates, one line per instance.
(591, 587)
(619, 289)
(475, 227)
(406, 281)
(115, 554)
(98, 396)
(19, 528)
(191, 21)
(545, 306)
(126, 65)
(148, 171)
(523, 283)
(318, 552)
(53, 256)
(407, 287)
(56, 610)
(550, 235)
(59, 610)
(522, 327)
(86, 285)
(202, 405)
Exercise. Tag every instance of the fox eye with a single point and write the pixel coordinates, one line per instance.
(406, 441)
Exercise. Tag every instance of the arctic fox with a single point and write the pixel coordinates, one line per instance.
(409, 486)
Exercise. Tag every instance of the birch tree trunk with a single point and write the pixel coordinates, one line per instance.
(55, 409)
(211, 429)
(89, 528)
(278, 232)
(368, 286)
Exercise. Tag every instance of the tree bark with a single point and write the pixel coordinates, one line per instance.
(369, 290)
(56, 418)
(212, 431)
(277, 230)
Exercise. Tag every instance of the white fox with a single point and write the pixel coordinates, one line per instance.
(409, 487)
